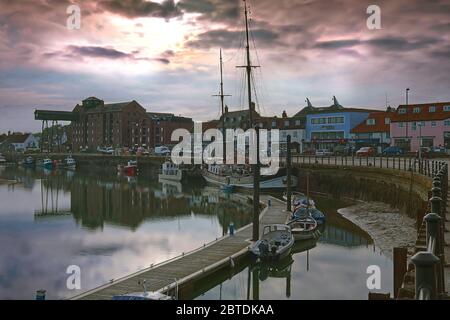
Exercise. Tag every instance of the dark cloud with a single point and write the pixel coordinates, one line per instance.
(213, 10)
(98, 52)
(386, 43)
(141, 8)
(336, 44)
(222, 38)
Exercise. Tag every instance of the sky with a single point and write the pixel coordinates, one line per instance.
(165, 55)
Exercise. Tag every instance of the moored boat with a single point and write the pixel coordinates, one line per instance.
(275, 244)
(70, 163)
(304, 212)
(170, 171)
(29, 162)
(2, 160)
(241, 177)
(47, 163)
(130, 169)
(304, 228)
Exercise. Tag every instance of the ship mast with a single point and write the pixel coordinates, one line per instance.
(222, 98)
(255, 166)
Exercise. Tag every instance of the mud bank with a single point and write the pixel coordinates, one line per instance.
(386, 225)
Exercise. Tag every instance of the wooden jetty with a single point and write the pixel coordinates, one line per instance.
(194, 265)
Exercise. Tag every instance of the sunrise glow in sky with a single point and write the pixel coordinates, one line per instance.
(164, 54)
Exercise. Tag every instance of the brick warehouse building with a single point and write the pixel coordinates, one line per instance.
(110, 125)
(163, 124)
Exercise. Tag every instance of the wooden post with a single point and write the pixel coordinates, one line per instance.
(400, 268)
(288, 172)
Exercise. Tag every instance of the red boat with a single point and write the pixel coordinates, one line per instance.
(131, 169)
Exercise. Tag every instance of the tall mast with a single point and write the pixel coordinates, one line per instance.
(255, 166)
(222, 99)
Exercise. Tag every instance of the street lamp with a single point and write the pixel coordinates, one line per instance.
(406, 122)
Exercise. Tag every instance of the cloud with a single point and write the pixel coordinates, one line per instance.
(141, 8)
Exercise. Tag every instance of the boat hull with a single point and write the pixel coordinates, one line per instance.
(278, 181)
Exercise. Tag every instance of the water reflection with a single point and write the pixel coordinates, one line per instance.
(107, 225)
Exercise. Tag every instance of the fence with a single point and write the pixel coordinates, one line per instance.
(430, 262)
(426, 167)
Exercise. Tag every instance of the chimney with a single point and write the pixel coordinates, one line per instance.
(284, 115)
(252, 106)
(226, 109)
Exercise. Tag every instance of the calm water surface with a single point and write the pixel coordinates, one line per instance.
(110, 226)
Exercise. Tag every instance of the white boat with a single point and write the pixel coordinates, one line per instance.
(70, 163)
(47, 163)
(170, 171)
(304, 228)
(2, 160)
(275, 244)
(239, 177)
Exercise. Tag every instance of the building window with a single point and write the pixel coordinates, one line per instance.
(432, 109)
(402, 110)
(295, 134)
(286, 123)
(446, 108)
(387, 120)
(274, 124)
(297, 122)
(416, 110)
(370, 122)
(447, 123)
(433, 123)
(400, 124)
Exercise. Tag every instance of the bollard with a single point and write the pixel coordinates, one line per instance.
(269, 202)
(432, 221)
(425, 265)
(40, 294)
(231, 228)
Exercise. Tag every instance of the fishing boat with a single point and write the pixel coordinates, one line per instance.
(130, 169)
(304, 228)
(303, 212)
(29, 162)
(170, 171)
(70, 163)
(145, 295)
(47, 163)
(2, 160)
(275, 244)
(299, 200)
(241, 177)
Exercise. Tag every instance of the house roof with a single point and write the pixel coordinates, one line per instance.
(110, 107)
(168, 117)
(379, 126)
(423, 113)
(18, 137)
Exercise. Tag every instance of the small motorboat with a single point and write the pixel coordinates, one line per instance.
(70, 163)
(2, 160)
(145, 295)
(304, 212)
(29, 162)
(130, 169)
(170, 171)
(299, 200)
(275, 244)
(47, 163)
(304, 228)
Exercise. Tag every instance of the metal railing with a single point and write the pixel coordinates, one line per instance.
(430, 261)
(423, 166)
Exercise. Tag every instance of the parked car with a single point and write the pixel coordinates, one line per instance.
(393, 151)
(439, 150)
(342, 150)
(323, 152)
(162, 151)
(365, 152)
(424, 152)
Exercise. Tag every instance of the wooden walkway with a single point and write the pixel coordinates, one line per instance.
(193, 265)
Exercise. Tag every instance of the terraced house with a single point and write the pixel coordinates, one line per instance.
(426, 125)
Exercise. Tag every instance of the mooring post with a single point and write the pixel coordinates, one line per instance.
(433, 233)
(400, 268)
(288, 172)
(425, 266)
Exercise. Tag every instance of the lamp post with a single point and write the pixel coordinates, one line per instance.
(420, 140)
(406, 122)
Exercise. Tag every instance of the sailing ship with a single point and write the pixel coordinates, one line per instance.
(229, 177)
(240, 176)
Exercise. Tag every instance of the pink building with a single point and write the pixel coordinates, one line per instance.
(426, 125)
